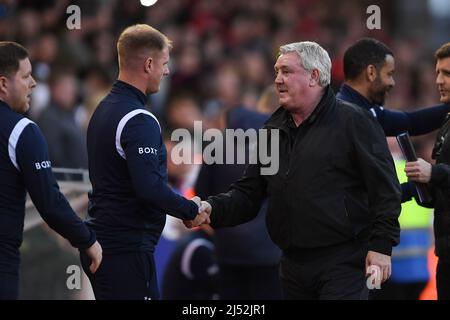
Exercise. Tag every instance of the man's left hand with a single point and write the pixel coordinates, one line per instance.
(418, 171)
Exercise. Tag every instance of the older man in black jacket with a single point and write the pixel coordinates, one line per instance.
(334, 203)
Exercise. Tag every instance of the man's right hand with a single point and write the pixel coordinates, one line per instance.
(204, 211)
(382, 262)
(206, 208)
(95, 252)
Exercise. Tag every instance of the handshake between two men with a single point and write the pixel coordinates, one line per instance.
(204, 211)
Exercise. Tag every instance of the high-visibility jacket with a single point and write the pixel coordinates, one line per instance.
(409, 258)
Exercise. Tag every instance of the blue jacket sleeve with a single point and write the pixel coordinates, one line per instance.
(33, 160)
(416, 123)
(146, 170)
(409, 191)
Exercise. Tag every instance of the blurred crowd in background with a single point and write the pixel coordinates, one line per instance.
(223, 55)
(223, 52)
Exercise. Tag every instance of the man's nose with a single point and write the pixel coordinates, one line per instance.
(439, 79)
(392, 82)
(33, 82)
(278, 79)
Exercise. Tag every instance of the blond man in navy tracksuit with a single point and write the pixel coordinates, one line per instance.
(128, 171)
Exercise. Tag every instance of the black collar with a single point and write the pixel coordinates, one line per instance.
(282, 119)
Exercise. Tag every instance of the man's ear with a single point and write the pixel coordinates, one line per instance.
(371, 73)
(148, 66)
(3, 84)
(314, 80)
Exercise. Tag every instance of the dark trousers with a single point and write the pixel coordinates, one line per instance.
(249, 283)
(127, 276)
(9, 286)
(443, 279)
(398, 291)
(329, 273)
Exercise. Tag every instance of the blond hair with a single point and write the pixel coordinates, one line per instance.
(137, 41)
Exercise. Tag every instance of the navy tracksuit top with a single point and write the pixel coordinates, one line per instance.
(128, 171)
(25, 166)
(393, 122)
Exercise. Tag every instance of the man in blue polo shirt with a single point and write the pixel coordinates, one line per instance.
(128, 171)
(25, 166)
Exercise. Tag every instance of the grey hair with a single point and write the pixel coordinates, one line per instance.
(312, 56)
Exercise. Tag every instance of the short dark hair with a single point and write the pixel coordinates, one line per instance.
(364, 52)
(443, 52)
(11, 53)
